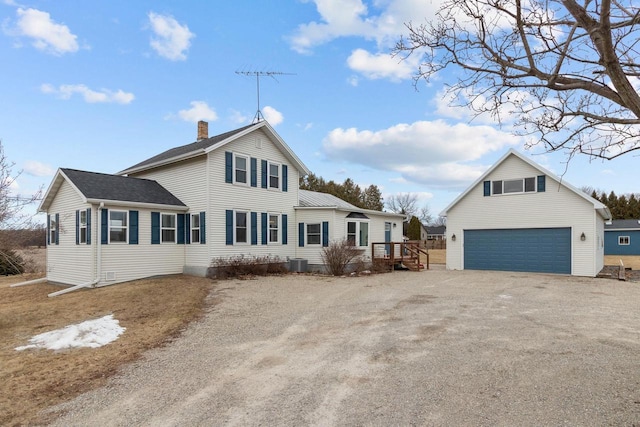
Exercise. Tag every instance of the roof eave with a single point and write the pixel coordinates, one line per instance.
(49, 195)
(138, 204)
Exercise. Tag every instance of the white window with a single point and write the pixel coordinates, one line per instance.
(168, 228)
(624, 240)
(240, 170)
(274, 222)
(511, 186)
(118, 226)
(358, 233)
(82, 227)
(241, 227)
(53, 227)
(313, 234)
(195, 228)
(274, 175)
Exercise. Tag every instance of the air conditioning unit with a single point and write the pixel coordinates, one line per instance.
(298, 265)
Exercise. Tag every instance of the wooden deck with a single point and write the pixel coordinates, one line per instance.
(410, 255)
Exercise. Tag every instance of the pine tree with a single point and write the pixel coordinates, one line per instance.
(413, 230)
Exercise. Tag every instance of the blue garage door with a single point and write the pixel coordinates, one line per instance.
(540, 250)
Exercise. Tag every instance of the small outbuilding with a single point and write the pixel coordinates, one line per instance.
(518, 216)
(622, 237)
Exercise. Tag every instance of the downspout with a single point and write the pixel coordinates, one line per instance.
(98, 261)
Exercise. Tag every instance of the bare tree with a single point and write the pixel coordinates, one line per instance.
(567, 71)
(424, 215)
(403, 203)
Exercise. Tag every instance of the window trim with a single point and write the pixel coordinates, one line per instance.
(319, 233)
(247, 170)
(126, 227)
(192, 228)
(502, 191)
(82, 226)
(53, 229)
(621, 240)
(163, 228)
(358, 232)
(277, 228)
(269, 176)
(247, 227)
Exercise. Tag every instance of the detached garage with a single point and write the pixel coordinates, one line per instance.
(520, 217)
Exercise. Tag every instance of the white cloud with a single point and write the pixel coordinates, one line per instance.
(344, 18)
(237, 117)
(47, 35)
(434, 153)
(382, 65)
(35, 168)
(91, 96)
(273, 116)
(171, 40)
(199, 110)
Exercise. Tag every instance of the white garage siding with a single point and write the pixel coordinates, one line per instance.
(557, 207)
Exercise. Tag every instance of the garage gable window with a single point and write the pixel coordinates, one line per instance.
(514, 186)
(624, 240)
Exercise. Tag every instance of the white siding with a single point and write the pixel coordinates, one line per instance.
(67, 262)
(187, 181)
(558, 206)
(313, 253)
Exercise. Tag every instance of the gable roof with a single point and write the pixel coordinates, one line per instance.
(313, 199)
(623, 224)
(597, 205)
(207, 145)
(95, 187)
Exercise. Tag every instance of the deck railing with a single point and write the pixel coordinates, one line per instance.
(410, 254)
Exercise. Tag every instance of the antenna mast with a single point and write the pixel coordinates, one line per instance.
(259, 117)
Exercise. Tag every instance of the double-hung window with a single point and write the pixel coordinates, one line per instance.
(240, 169)
(82, 226)
(274, 175)
(274, 223)
(168, 228)
(313, 234)
(358, 233)
(241, 233)
(195, 228)
(53, 228)
(118, 226)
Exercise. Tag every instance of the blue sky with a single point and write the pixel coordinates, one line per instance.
(101, 86)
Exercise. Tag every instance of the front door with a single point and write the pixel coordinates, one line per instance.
(387, 237)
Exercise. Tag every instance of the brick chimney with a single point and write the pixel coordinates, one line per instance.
(203, 130)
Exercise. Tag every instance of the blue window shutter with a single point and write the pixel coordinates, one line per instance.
(133, 227)
(88, 226)
(284, 229)
(285, 178)
(203, 229)
(254, 228)
(180, 226)
(187, 228)
(155, 228)
(104, 227)
(541, 183)
(57, 229)
(254, 172)
(301, 234)
(325, 233)
(77, 227)
(487, 188)
(264, 174)
(265, 221)
(48, 229)
(228, 166)
(229, 227)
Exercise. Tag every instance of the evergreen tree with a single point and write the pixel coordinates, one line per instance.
(413, 230)
(348, 191)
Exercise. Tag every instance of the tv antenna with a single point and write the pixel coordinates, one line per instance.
(258, 117)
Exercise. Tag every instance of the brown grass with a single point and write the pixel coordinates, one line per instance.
(629, 261)
(151, 310)
(437, 256)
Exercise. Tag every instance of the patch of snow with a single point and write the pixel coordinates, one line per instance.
(91, 333)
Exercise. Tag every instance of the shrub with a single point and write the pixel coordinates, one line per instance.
(338, 255)
(241, 266)
(10, 263)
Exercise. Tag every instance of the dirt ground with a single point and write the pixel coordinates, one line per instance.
(151, 311)
(629, 261)
(437, 256)
(434, 348)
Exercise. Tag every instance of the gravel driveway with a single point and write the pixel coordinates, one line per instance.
(432, 348)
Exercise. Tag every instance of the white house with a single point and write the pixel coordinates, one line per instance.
(232, 194)
(518, 216)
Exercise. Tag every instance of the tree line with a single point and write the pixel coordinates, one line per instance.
(621, 207)
(368, 198)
